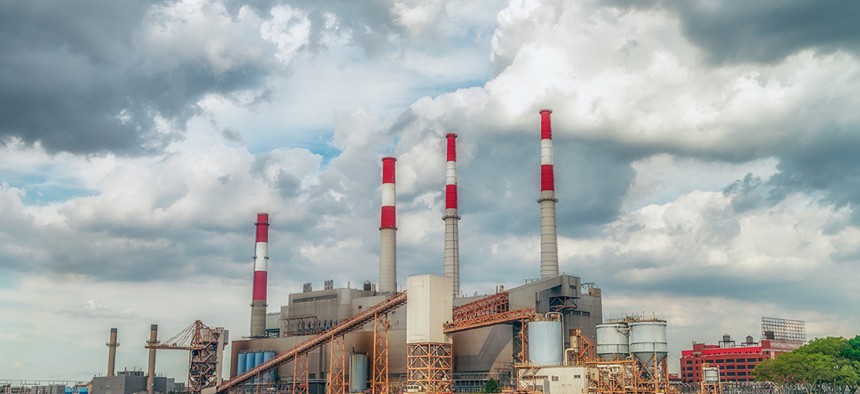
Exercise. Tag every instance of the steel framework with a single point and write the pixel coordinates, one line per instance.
(337, 367)
(494, 304)
(783, 329)
(372, 314)
(202, 341)
(300, 374)
(478, 321)
(429, 367)
(379, 379)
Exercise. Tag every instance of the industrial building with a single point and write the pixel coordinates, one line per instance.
(477, 354)
(734, 362)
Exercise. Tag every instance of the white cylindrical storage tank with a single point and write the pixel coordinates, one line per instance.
(711, 375)
(357, 372)
(648, 341)
(613, 341)
(545, 343)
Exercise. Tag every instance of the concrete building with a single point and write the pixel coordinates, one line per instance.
(133, 382)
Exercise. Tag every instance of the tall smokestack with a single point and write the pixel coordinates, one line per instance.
(451, 218)
(548, 238)
(150, 375)
(112, 345)
(388, 230)
(261, 262)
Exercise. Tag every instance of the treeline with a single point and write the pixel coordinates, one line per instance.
(824, 365)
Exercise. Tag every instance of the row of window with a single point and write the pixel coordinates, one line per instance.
(728, 360)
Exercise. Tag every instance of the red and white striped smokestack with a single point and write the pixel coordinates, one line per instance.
(261, 262)
(388, 230)
(548, 237)
(452, 233)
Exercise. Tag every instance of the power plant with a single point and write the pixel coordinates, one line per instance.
(428, 337)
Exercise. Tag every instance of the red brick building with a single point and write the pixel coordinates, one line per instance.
(735, 362)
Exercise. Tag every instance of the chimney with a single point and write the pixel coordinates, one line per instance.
(388, 230)
(451, 218)
(548, 238)
(112, 345)
(150, 375)
(261, 262)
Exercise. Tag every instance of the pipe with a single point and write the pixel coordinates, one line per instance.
(150, 375)
(261, 262)
(112, 345)
(451, 218)
(388, 230)
(548, 237)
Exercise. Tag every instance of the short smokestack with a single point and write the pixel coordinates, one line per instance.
(150, 375)
(548, 237)
(261, 263)
(451, 218)
(112, 345)
(388, 230)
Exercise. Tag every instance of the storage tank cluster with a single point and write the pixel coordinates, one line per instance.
(643, 339)
(249, 360)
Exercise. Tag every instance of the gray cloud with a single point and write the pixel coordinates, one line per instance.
(768, 31)
(76, 78)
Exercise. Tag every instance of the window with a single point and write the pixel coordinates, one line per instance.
(555, 378)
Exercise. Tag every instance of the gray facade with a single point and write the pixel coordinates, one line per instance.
(132, 382)
(481, 352)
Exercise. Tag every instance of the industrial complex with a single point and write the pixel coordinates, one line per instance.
(547, 335)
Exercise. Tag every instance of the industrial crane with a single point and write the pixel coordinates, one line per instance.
(206, 345)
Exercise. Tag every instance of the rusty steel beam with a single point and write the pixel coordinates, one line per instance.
(491, 305)
(516, 315)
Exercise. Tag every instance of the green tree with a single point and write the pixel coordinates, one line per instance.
(492, 386)
(852, 350)
(823, 365)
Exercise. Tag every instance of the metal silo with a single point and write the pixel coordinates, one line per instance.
(241, 363)
(258, 358)
(357, 372)
(269, 376)
(648, 341)
(249, 361)
(545, 343)
(613, 341)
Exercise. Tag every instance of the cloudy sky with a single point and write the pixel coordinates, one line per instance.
(706, 159)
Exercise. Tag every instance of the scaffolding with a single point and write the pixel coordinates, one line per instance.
(379, 378)
(429, 367)
(785, 330)
(336, 383)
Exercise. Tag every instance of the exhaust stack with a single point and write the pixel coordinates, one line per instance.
(112, 345)
(261, 262)
(150, 375)
(388, 230)
(548, 237)
(451, 218)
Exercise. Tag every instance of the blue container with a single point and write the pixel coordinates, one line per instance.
(249, 361)
(83, 390)
(269, 376)
(258, 358)
(240, 363)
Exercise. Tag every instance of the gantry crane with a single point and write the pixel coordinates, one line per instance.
(206, 345)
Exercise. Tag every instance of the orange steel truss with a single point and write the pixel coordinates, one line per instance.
(491, 305)
(490, 320)
(429, 368)
(379, 380)
(300, 374)
(336, 367)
